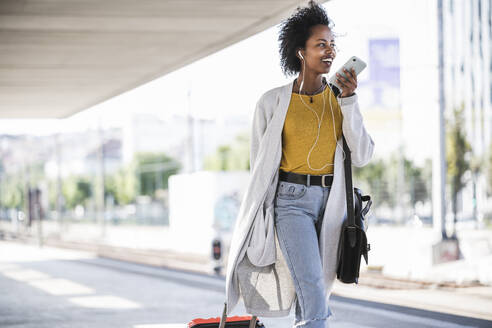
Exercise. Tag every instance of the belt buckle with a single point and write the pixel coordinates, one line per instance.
(323, 180)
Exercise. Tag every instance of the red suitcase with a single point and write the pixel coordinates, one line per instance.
(246, 321)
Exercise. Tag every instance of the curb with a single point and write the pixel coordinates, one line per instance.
(157, 258)
(204, 264)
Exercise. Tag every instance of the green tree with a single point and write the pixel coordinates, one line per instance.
(416, 185)
(457, 152)
(231, 157)
(375, 176)
(122, 185)
(153, 171)
(76, 191)
(13, 192)
(379, 178)
(224, 154)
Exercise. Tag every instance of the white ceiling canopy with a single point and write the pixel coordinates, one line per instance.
(59, 57)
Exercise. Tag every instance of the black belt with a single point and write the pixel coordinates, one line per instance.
(306, 179)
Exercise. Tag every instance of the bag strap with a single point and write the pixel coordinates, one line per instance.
(349, 193)
(252, 322)
(368, 205)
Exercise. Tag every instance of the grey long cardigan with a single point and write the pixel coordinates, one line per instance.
(262, 277)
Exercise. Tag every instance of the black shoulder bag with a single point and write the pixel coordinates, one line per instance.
(353, 242)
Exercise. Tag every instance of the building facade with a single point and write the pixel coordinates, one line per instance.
(467, 58)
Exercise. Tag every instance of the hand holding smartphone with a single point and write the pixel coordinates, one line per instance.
(353, 63)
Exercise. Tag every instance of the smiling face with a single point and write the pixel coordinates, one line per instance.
(320, 50)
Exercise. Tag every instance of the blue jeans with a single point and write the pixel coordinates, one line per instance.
(299, 212)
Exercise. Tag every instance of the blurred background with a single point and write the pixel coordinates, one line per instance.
(124, 129)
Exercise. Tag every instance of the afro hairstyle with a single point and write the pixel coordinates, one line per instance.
(295, 31)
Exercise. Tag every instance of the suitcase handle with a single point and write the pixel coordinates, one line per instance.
(252, 323)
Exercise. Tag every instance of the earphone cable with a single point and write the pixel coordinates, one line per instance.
(320, 121)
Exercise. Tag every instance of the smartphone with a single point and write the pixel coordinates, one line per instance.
(354, 62)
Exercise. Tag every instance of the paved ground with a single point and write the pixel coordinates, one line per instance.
(51, 287)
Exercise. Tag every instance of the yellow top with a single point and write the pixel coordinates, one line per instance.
(300, 131)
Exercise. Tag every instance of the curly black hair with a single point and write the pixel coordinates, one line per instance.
(294, 32)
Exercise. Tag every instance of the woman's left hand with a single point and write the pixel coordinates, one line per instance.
(348, 84)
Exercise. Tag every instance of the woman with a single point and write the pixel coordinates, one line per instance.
(295, 201)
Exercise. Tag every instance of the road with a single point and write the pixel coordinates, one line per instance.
(52, 287)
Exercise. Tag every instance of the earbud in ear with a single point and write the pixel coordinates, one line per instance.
(299, 52)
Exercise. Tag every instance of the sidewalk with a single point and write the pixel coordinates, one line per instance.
(474, 302)
(471, 299)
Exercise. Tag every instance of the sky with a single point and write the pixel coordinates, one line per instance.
(230, 81)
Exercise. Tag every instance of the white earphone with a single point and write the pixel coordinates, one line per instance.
(319, 124)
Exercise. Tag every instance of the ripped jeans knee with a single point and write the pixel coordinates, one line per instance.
(313, 321)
